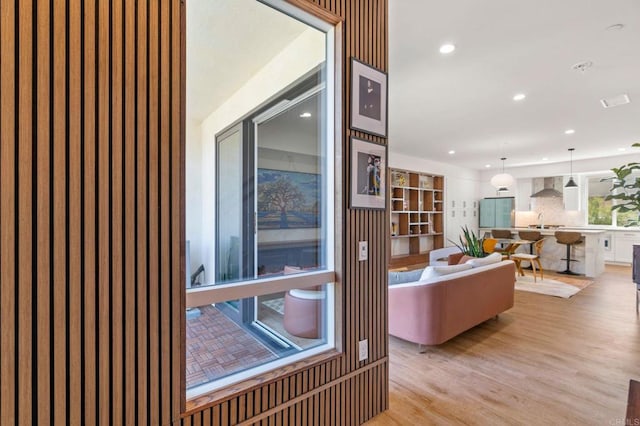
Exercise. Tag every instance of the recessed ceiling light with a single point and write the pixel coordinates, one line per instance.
(445, 49)
(545, 158)
(487, 165)
(569, 132)
(519, 97)
(305, 115)
(452, 152)
(622, 149)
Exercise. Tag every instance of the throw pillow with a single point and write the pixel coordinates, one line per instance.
(465, 258)
(401, 277)
(454, 258)
(437, 271)
(292, 269)
(484, 261)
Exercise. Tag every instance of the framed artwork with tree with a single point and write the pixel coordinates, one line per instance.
(288, 199)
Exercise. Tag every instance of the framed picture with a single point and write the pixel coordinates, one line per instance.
(288, 199)
(368, 168)
(368, 99)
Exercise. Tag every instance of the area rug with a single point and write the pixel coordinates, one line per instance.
(552, 287)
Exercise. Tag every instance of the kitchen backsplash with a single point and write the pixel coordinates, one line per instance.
(553, 212)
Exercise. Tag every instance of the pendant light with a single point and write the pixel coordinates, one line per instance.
(572, 183)
(502, 181)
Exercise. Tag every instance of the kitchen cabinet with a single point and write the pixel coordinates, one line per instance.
(497, 212)
(623, 245)
(607, 245)
(571, 196)
(523, 195)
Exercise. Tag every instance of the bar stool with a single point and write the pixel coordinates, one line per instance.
(569, 239)
(501, 234)
(532, 236)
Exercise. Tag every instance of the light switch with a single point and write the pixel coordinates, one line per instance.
(363, 350)
(363, 250)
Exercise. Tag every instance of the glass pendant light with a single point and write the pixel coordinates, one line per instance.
(502, 181)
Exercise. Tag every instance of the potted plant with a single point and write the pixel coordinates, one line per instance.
(470, 244)
(625, 193)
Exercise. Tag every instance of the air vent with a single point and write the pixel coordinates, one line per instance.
(615, 101)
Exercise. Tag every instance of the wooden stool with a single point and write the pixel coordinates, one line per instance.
(569, 239)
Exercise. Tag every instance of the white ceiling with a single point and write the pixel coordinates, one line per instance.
(226, 46)
(463, 101)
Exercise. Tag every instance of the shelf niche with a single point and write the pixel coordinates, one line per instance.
(416, 217)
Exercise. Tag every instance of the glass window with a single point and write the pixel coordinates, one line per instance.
(260, 189)
(600, 210)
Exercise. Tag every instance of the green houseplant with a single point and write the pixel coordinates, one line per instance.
(470, 243)
(625, 192)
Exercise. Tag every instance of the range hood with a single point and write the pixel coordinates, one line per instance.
(549, 187)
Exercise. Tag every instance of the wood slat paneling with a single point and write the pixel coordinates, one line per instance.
(7, 213)
(25, 208)
(91, 178)
(58, 232)
(92, 181)
(129, 228)
(74, 212)
(43, 212)
(142, 209)
(104, 218)
(89, 213)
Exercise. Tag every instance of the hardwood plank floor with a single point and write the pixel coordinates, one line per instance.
(546, 361)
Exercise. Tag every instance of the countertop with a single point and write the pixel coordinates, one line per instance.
(549, 231)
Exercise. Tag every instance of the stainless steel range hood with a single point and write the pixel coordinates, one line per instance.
(550, 187)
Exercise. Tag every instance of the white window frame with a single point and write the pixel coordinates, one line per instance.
(220, 293)
(614, 213)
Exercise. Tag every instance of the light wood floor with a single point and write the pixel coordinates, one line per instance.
(547, 361)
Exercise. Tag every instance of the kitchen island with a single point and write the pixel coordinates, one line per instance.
(589, 254)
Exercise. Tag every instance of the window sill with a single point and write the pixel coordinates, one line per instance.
(218, 396)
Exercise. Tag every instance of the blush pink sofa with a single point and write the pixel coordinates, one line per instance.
(433, 311)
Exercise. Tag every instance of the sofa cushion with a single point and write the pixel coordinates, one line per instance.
(484, 261)
(437, 271)
(400, 277)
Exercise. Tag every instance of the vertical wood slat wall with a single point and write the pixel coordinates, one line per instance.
(342, 391)
(90, 198)
(92, 216)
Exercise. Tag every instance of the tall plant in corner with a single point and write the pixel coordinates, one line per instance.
(625, 192)
(470, 244)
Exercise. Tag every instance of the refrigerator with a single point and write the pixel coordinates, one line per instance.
(497, 212)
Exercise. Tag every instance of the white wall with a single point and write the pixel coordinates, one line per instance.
(193, 192)
(461, 187)
(301, 56)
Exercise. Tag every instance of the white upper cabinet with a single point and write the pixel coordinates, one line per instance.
(571, 196)
(523, 195)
